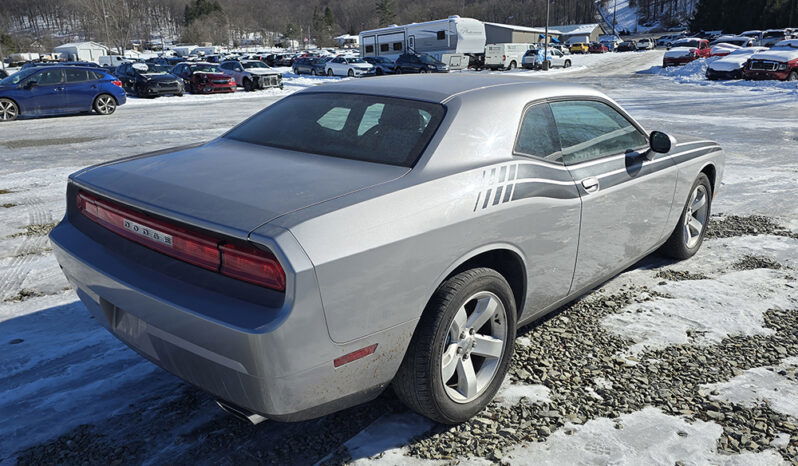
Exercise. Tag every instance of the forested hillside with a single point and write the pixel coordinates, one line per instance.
(741, 15)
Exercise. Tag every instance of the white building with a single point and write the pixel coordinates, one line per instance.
(348, 40)
(570, 33)
(81, 51)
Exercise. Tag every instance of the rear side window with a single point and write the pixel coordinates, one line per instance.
(48, 77)
(360, 127)
(538, 136)
(591, 130)
(76, 76)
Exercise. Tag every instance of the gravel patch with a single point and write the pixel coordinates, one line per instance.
(749, 262)
(679, 275)
(581, 363)
(37, 229)
(752, 225)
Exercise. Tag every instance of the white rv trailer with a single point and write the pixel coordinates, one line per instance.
(448, 40)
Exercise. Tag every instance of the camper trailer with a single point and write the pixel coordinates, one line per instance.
(449, 40)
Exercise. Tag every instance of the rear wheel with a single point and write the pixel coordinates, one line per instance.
(689, 233)
(567, 64)
(461, 349)
(379, 72)
(9, 111)
(104, 104)
(512, 66)
(793, 76)
(248, 87)
(313, 72)
(330, 72)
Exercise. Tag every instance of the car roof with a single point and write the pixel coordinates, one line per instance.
(442, 87)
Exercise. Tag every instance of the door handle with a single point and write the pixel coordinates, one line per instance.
(591, 184)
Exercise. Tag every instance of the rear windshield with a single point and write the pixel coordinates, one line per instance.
(352, 126)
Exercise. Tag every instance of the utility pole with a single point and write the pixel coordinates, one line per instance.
(546, 35)
(2, 61)
(614, 23)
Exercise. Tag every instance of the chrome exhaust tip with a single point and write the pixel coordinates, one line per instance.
(241, 413)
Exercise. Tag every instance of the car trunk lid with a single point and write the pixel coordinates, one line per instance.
(231, 187)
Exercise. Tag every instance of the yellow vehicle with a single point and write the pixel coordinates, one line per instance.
(579, 47)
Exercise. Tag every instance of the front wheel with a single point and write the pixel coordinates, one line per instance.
(567, 64)
(689, 233)
(461, 349)
(104, 104)
(9, 111)
(350, 73)
(330, 72)
(248, 86)
(793, 76)
(313, 72)
(512, 66)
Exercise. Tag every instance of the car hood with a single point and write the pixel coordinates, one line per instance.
(679, 52)
(155, 78)
(776, 55)
(730, 62)
(229, 186)
(261, 71)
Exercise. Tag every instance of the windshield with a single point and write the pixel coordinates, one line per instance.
(773, 34)
(254, 64)
(360, 127)
(15, 78)
(204, 68)
(687, 43)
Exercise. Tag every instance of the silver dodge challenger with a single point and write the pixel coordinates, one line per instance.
(393, 231)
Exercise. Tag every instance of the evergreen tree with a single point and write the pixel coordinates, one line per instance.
(386, 13)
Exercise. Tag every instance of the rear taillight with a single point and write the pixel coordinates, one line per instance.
(253, 265)
(117, 83)
(245, 263)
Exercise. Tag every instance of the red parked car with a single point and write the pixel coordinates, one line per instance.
(779, 62)
(685, 50)
(596, 47)
(204, 78)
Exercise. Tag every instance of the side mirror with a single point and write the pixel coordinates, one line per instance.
(661, 142)
(31, 84)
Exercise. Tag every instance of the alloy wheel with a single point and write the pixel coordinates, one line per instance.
(695, 218)
(105, 105)
(474, 346)
(8, 110)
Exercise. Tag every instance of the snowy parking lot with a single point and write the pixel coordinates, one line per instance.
(689, 363)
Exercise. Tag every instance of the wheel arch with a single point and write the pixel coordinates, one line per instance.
(712, 173)
(16, 102)
(505, 258)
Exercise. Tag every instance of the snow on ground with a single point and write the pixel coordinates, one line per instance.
(777, 386)
(705, 311)
(60, 369)
(642, 437)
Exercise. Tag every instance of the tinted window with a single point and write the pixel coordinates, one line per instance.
(44, 78)
(538, 134)
(397, 46)
(76, 76)
(369, 128)
(369, 49)
(441, 35)
(590, 130)
(383, 47)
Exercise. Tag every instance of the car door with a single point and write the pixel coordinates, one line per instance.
(81, 88)
(557, 58)
(47, 95)
(626, 198)
(546, 203)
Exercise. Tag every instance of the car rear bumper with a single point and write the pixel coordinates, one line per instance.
(766, 75)
(678, 61)
(275, 361)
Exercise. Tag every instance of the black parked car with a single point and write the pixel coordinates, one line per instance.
(382, 65)
(627, 46)
(419, 63)
(166, 61)
(149, 80)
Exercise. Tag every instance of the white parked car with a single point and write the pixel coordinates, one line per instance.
(533, 59)
(731, 66)
(505, 56)
(252, 74)
(722, 49)
(348, 66)
(646, 44)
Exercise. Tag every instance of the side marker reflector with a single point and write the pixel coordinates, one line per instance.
(355, 355)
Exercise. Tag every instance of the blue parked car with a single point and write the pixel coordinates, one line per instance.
(59, 90)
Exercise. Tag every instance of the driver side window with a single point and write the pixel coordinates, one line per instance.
(48, 77)
(590, 130)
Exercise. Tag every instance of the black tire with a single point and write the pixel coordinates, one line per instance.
(546, 65)
(330, 72)
(793, 76)
(677, 245)
(104, 104)
(513, 65)
(248, 86)
(350, 73)
(9, 110)
(398, 70)
(419, 383)
(313, 72)
(180, 94)
(379, 72)
(567, 64)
